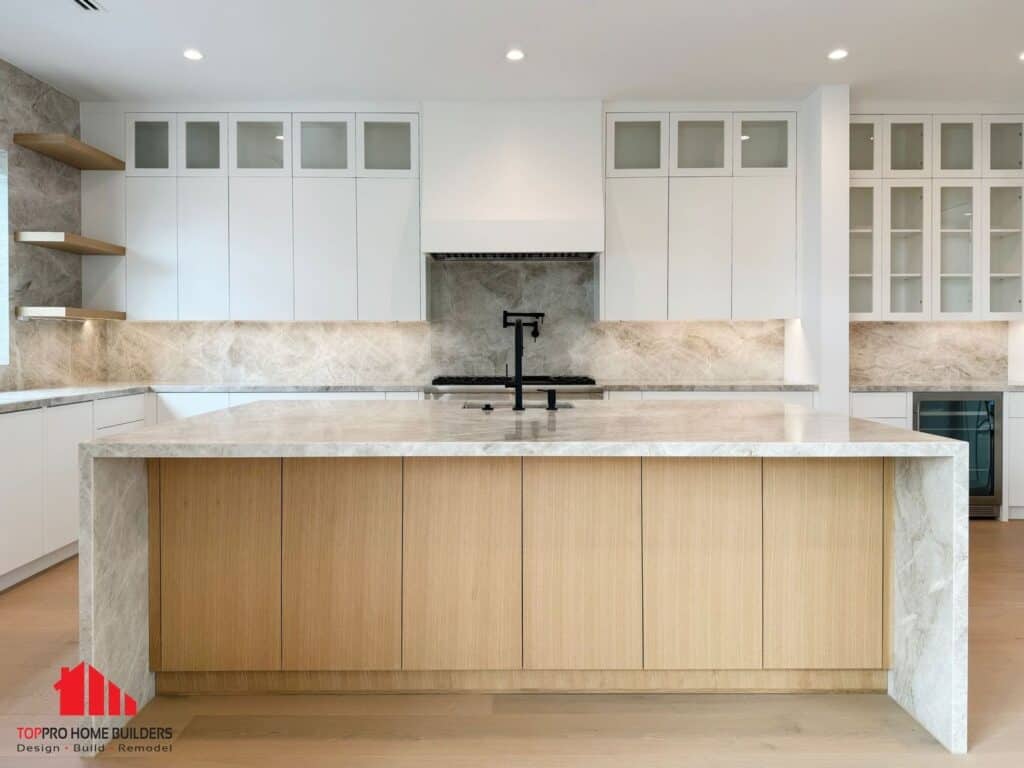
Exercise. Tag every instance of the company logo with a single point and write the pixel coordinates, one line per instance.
(104, 697)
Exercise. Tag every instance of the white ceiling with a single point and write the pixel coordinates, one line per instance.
(257, 50)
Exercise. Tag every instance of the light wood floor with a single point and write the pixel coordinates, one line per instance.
(38, 623)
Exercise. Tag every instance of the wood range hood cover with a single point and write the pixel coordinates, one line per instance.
(505, 178)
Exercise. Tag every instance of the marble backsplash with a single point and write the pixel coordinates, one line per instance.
(935, 354)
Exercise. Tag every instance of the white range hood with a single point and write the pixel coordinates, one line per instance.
(512, 177)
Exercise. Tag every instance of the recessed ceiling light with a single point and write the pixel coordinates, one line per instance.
(515, 54)
(744, 137)
(279, 138)
(192, 54)
(1021, 57)
(838, 54)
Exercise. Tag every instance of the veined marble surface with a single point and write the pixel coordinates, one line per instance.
(597, 428)
(979, 386)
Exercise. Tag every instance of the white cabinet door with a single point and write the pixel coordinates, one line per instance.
(389, 258)
(21, 488)
(764, 144)
(700, 144)
(181, 405)
(637, 144)
(700, 249)
(865, 250)
(324, 144)
(956, 146)
(1014, 468)
(244, 398)
(150, 143)
(1003, 142)
(65, 426)
(956, 249)
(1003, 249)
(865, 147)
(325, 248)
(261, 249)
(636, 249)
(764, 248)
(260, 144)
(203, 249)
(906, 250)
(152, 243)
(907, 146)
(388, 145)
(202, 144)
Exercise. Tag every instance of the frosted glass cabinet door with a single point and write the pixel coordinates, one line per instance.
(388, 145)
(700, 144)
(1003, 137)
(866, 250)
(764, 144)
(865, 147)
(1004, 251)
(907, 147)
(956, 287)
(637, 144)
(202, 144)
(956, 146)
(151, 143)
(324, 144)
(260, 144)
(906, 250)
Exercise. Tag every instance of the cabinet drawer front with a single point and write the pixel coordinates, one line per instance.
(883, 405)
(112, 411)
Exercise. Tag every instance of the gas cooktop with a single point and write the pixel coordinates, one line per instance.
(500, 381)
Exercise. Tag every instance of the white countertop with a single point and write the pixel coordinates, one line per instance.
(591, 428)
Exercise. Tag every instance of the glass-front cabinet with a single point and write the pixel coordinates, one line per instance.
(1004, 256)
(764, 144)
(1004, 146)
(261, 144)
(865, 250)
(637, 144)
(956, 146)
(906, 250)
(324, 144)
(388, 145)
(955, 244)
(865, 147)
(907, 149)
(700, 144)
(202, 144)
(151, 144)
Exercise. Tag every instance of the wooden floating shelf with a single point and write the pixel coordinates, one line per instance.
(70, 242)
(68, 313)
(69, 150)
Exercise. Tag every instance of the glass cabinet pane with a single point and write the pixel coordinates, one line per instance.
(1005, 208)
(907, 209)
(202, 144)
(862, 250)
(956, 146)
(1006, 147)
(862, 208)
(906, 294)
(764, 143)
(701, 144)
(956, 250)
(324, 145)
(638, 144)
(260, 144)
(862, 146)
(861, 295)
(387, 146)
(152, 143)
(1006, 250)
(906, 249)
(956, 205)
(907, 146)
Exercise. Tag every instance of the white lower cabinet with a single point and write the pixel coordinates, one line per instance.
(151, 232)
(64, 427)
(325, 248)
(764, 248)
(181, 405)
(243, 398)
(803, 398)
(21, 488)
(894, 409)
(636, 249)
(388, 245)
(261, 248)
(700, 248)
(203, 248)
(1014, 464)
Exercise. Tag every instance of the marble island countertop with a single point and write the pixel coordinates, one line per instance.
(438, 428)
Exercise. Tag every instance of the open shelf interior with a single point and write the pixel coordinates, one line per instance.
(69, 150)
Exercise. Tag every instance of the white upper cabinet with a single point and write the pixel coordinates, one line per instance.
(325, 249)
(865, 250)
(260, 144)
(907, 146)
(906, 250)
(865, 147)
(151, 230)
(202, 144)
(388, 145)
(764, 144)
(635, 271)
(1003, 139)
(324, 144)
(390, 263)
(203, 249)
(956, 245)
(151, 144)
(1004, 252)
(261, 273)
(700, 249)
(701, 144)
(956, 145)
(764, 248)
(637, 144)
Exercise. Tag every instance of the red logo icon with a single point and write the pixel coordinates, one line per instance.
(104, 697)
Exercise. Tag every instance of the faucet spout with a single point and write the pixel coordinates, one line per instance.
(518, 321)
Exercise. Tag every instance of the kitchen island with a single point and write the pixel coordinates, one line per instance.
(625, 546)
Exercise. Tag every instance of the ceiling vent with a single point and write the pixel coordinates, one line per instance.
(88, 5)
(552, 256)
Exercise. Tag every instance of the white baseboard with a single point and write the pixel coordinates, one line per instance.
(28, 570)
(1016, 513)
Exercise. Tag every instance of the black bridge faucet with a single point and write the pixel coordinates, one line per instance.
(516, 320)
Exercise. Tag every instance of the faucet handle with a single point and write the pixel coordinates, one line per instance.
(552, 395)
